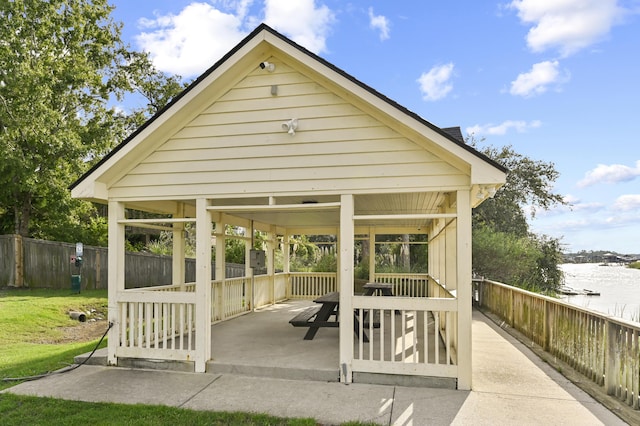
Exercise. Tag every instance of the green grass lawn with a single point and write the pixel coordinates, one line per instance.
(26, 410)
(38, 336)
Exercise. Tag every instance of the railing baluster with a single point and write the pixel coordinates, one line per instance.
(393, 339)
(447, 337)
(414, 335)
(425, 336)
(165, 323)
(382, 336)
(124, 320)
(147, 325)
(156, 325)
(173, 326)
(371, 320)
(182, 326)
(132, 324)
(436, 347)
(360, 335)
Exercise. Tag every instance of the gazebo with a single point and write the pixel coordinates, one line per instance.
(276, 139)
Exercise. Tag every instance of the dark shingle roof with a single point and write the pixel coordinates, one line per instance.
(454, 132)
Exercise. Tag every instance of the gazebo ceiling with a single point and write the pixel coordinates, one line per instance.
(323, 211)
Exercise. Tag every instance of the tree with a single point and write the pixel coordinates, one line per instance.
(529, 184)
(62, 65)
(528, 262)
(139, 75)
(503, 247)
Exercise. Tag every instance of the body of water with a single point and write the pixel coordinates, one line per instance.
(618, 285)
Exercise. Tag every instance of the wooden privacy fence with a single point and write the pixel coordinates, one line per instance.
(32, 263)
(603, 348)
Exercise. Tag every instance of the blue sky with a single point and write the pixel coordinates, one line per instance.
(556, 79)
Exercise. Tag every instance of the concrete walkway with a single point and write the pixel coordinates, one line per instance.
(511, 386)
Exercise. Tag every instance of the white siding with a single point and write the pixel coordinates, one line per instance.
(237, 146)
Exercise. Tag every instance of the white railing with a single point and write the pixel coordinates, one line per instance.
(411, 285)
(188, 287)
(262, 291)
(280, 281)
(268, 290)
(230, 298)
(156, 324)
(404, 336)
(309, 285)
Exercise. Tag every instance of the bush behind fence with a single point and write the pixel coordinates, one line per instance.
(32, 263)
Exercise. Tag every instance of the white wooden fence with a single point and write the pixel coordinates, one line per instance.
(410, 334)
(158, 325)
(310, 285)
(415, 336)
(411, 285)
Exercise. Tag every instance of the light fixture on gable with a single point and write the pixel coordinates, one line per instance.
(290, 126)
(268, 66)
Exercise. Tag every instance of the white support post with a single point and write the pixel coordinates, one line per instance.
(372, 254)
(463, 293)
(285, 262)
(203, 285)
(442, 253)
(221, 271)
(178, 250)
(449, 274)
(345, 282)
(248, 290)
(248, 270)
(116, 276)
(271, 267)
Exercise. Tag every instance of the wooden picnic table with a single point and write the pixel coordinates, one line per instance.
(320, 316)
(385, 289)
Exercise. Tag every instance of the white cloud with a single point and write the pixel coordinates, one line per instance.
(379, 22)
(591, 207)
(194, 39)
(613, 173)
(622, 220)
(627, 203)
(568, 25)
(519, 126)
(573, 206)
(435, 83)
(301, 20)
(538, 79)
(190, 42)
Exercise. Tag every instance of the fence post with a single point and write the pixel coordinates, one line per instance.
(19, 261)
(547, 326)
(98, 281)
(511, 307)
(610, 359)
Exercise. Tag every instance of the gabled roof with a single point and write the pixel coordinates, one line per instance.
(262, 43)
(262, 32)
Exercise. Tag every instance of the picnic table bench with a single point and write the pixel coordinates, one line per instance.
(308, 318)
